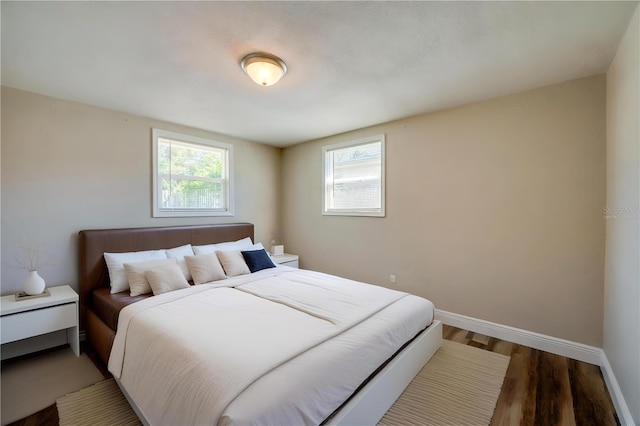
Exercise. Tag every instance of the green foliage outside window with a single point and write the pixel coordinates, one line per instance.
(191, 176)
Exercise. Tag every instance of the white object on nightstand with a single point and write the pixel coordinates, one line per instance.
(33, 317)
(286, 259)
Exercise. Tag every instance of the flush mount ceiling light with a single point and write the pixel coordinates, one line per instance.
(263, 68)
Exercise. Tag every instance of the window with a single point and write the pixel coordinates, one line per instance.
(191, 176)
(354, 178)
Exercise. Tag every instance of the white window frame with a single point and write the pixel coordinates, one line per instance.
(157, 187)
(327, 178)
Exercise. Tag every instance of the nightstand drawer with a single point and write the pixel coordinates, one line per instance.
(291, 263)
(33, 323)
(286, 259)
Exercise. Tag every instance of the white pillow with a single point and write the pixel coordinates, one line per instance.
(233, 262)
(179, 253)
(242, 244)
(166, 279)
(205, 268)
(115, 262)
(256, 246)
(138, 283)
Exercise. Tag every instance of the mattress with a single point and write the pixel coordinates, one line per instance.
(280, 346)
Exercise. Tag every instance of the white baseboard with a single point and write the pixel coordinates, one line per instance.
(542, 342)
(622, 409)
(554, 345)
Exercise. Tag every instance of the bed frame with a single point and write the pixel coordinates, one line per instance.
(367, 406)
(94, 273)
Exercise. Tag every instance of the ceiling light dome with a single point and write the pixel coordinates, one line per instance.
(263, 68)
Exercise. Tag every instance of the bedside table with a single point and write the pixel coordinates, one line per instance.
(33, 317)
(286, 259)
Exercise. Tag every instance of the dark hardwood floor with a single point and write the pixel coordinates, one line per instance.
(539, 388)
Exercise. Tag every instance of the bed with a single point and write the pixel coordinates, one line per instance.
(303, 357)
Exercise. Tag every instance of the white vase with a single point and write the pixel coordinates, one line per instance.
(34, 284)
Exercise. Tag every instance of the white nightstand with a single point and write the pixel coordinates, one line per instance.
(286, 259)
(33, 317)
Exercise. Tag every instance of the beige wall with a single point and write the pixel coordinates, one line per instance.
(68, 166)
(494, 210)
(621, 341)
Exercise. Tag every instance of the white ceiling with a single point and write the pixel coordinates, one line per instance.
(351, 64)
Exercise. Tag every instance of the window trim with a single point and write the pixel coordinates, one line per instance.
(325, 185)
(155, 195)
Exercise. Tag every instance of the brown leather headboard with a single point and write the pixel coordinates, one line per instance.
(95, 242)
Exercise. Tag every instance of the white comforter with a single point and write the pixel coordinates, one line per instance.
(281, 346)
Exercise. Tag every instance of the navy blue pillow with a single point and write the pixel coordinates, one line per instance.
(257, 260)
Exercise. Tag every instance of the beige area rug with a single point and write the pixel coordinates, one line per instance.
(34, 383)
(97, 405)
(458, 386)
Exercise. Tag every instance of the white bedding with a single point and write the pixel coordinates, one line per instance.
(280, 346)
